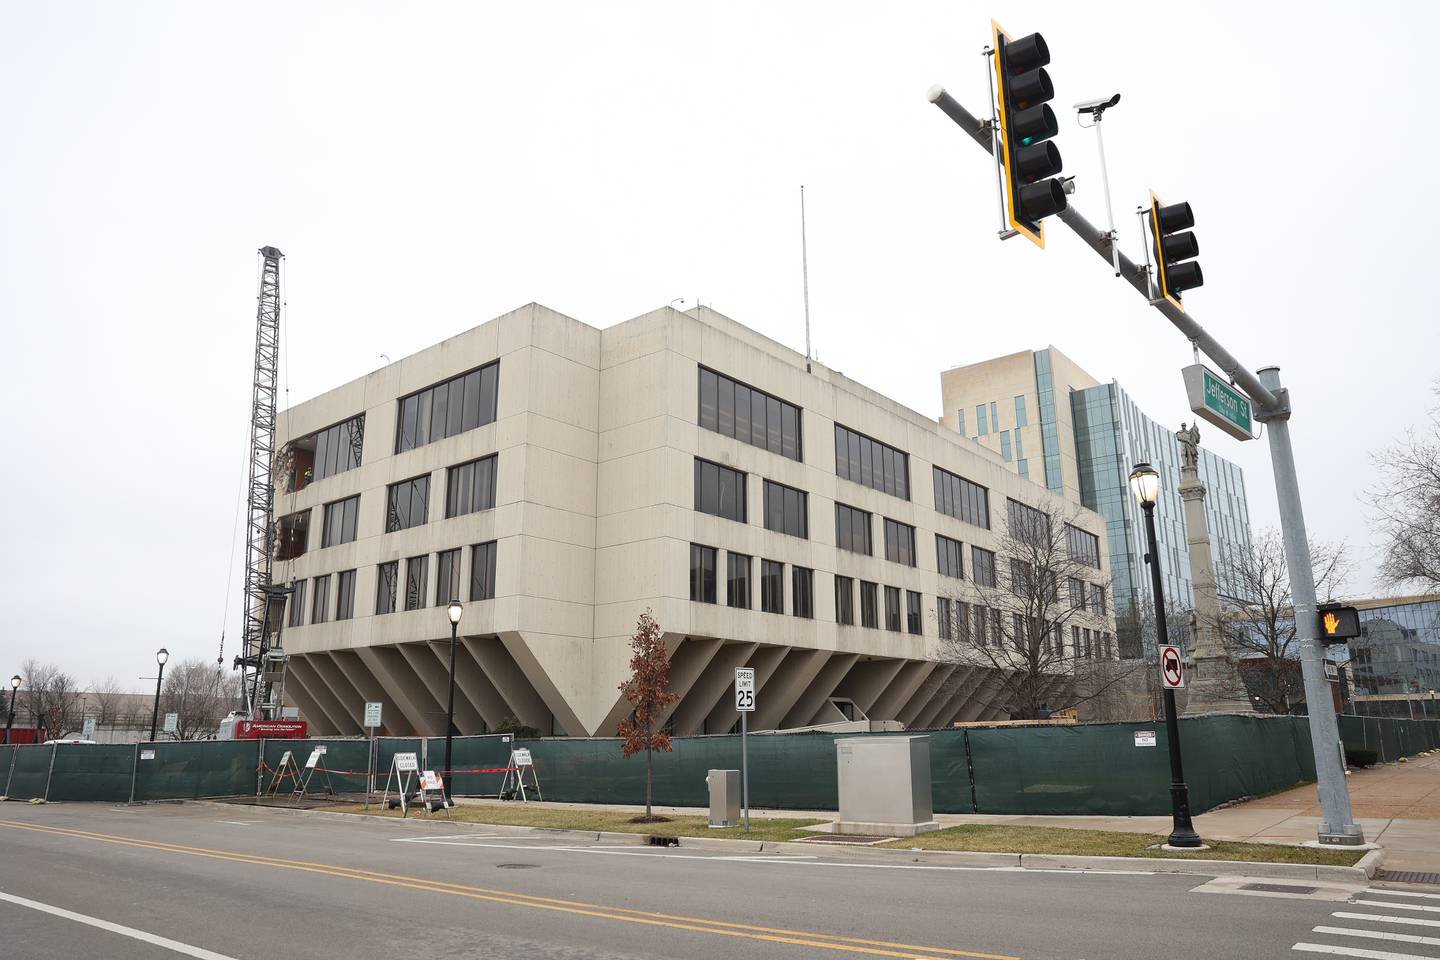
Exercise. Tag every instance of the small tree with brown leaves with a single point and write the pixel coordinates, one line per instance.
(649, 694)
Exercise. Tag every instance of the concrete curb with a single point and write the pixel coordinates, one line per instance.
(1361, 872)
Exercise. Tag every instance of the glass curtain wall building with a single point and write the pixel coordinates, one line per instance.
(1111, 436)
(1397, 656)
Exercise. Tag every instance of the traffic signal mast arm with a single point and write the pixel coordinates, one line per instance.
(1267, 404)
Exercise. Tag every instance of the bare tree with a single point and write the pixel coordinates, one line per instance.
(1407, 505)
(109, 701)
(200, 694)
(1034, 615)
(1257, 619)
(50, 696)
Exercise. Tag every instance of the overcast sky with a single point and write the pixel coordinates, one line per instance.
(426, 167)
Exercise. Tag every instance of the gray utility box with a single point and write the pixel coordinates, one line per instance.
(724, 797)
(884, 786)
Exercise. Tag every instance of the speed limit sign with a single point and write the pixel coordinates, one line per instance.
(1172, 668)
(745, 689)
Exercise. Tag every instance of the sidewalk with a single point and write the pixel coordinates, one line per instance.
(1397, 805)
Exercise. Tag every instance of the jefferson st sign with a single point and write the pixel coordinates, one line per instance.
(1212, 398)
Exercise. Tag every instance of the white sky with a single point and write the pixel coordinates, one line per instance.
(428, 167)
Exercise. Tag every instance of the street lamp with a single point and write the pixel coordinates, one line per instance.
(1145, 483)
(455, 610)
(161, 656)
(15, 688)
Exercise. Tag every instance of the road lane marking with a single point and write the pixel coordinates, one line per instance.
(200, 953)
(1356, 952)
(1382, 918)
(1379, 935)
(1387, 892)
(693, 924)
(1398, 906)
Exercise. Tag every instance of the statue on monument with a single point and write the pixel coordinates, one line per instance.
(1189, 438)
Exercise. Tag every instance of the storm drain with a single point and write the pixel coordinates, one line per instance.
(1407, 876)
(517, 866)
(1278, 888)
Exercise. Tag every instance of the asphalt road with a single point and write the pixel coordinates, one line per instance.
(234, 883)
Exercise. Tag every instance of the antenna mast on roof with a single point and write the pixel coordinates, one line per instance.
(805, 276)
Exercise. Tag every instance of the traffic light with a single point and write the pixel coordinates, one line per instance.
(1337, 624)
(1032, 191)
(1175, 247)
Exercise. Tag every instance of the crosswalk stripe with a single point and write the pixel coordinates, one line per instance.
(1379, 935)
(1383, 918)
(1356, 952)
(1385, 892)
(1399, 906)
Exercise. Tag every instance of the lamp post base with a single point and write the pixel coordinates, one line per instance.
(1182, 833)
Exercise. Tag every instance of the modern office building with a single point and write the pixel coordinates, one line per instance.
(1396, 658)
(561, 479)
(1055, 423)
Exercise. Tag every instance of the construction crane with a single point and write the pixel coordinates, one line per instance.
(262, 657)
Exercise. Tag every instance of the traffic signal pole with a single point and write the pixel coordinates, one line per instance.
(1272, 407)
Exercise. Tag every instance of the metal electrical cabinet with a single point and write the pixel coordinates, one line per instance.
(724, 797)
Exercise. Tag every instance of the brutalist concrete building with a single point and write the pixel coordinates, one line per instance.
(559, 479)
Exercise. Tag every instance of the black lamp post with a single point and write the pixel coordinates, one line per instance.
(15, 688)
(1145, 483)
(455, 610)
(161, 656)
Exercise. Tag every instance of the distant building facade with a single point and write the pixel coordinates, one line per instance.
(1397, 655)
(1059, 426)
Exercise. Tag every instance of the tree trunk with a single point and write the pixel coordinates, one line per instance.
(649, 768)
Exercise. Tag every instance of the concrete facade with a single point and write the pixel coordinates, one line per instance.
(596, 436)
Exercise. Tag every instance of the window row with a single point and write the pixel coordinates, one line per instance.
(391, 593)
(869, 462)
(752, 416)
(320, 608)
(469, 488)
(1087, 596)
(962, 499)
(984, 627)
(895, 615)
(1026, 523)
(738, 591)
(1083, 546)
(446, 409)
(336, 450)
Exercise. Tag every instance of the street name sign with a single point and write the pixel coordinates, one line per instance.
(745, 689)
(1172, 667)
(1213, 399)
(372, 713)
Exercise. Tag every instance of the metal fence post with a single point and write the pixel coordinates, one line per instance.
(134, 770)
(49, 774)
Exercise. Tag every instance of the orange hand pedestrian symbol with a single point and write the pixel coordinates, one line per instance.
(1331, 623)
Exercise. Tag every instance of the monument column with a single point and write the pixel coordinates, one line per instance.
(1213, 683)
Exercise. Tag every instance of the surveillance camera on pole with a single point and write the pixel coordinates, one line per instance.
(1096, 110)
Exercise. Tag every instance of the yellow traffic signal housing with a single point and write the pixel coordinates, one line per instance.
(1032, 192)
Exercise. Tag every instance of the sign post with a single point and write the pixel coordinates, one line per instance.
(372, 720)
(745, 704)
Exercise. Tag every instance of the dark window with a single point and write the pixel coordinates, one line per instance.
(297, 605)
(1084, 547)
(912, 611)
(345, 595)
(446, 409)
(415, 570)
(1027, 524)
(869, 615)
(899, 542)
(470, 487)
(802, 597)
(949, 557)
(944, 612)
(702, 573)
(982, 566)
(869, 462)
(852, 529)
(786, 510)
(340, 518)
(959, 498)
(337, 448)
(1097, 600)
(1021, 575)
(320, 607)
(737, 580)
(407, 503)
(292, 535)
(1077, 594)
(482, 571)
(892, 609)
(752, 416)
(982, 633)
(719, 490)
(447, 576)
(386, 576)
(844, 601)
(772, 586)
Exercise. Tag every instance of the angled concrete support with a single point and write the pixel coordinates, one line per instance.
(765, 662)
(814, 696)
(510, 682)
(786, 685)
(898, 692)
(403, 689)
(715, 681)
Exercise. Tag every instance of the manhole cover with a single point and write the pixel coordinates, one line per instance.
(850, 838)
(1278, 888)
(1407, 876)
(517, 866)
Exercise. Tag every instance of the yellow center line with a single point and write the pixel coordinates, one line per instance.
(625, 914)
